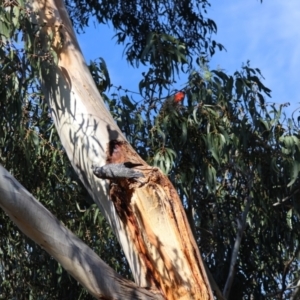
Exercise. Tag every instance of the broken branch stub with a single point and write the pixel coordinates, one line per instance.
(153, 214)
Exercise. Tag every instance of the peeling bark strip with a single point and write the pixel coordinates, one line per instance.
(152, 211)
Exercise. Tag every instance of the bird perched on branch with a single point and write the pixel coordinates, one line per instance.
(176, 98)
(179, 96)
(117, 171)
(172, 102)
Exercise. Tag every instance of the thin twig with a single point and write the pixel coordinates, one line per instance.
(286, 198)
(296, 292)
(295, 288)
(241, 223)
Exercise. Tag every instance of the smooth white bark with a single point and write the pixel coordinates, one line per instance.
(75, 256)
(83, 122)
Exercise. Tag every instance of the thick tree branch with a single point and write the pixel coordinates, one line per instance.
(75, 256)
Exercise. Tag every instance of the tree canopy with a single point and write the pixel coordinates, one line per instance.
(232, 156)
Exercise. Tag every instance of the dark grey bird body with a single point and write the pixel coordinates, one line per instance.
(117, 171)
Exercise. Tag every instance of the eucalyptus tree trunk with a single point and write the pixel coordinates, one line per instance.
(146, 214)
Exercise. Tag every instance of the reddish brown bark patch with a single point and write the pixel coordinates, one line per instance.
(129, 197)
(121, 191)
(121, 151)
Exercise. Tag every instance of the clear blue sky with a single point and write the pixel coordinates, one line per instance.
(267, 34)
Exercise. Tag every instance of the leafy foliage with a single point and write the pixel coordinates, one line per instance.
(135, 20)
(163, 35)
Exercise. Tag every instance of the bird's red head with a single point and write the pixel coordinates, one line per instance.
(179, 96)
